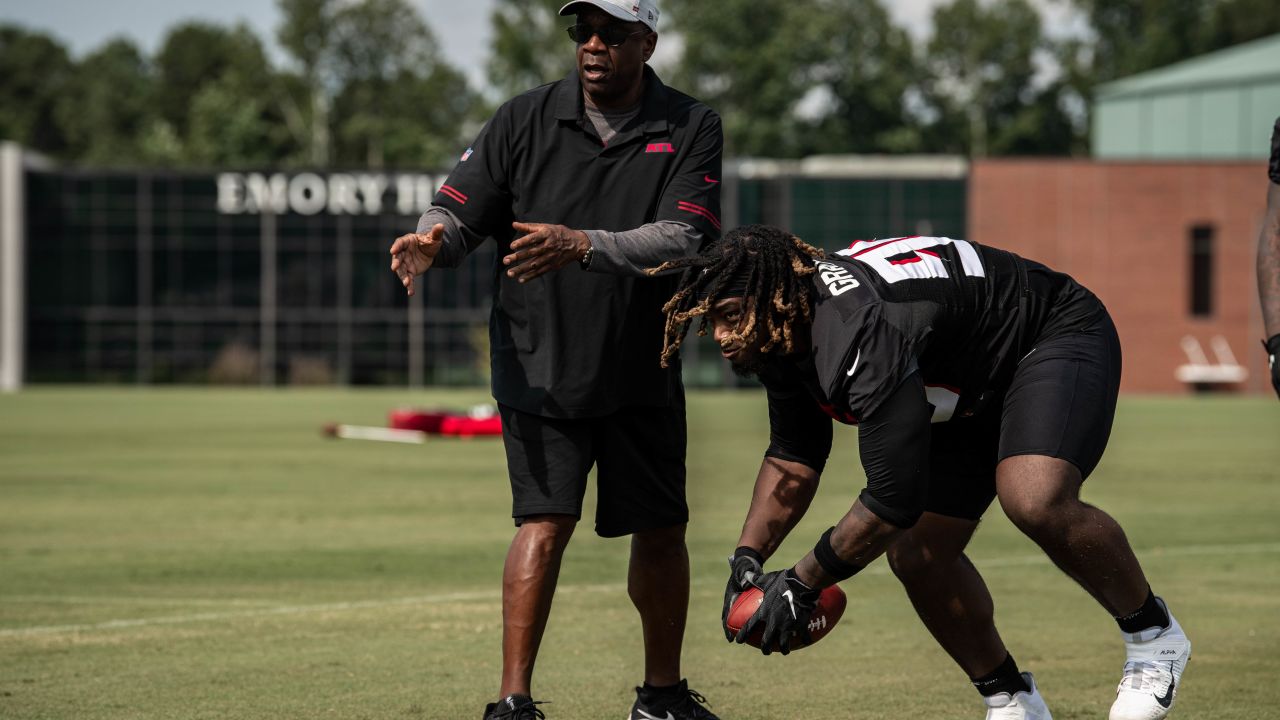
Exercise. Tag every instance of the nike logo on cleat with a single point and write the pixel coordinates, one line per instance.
(1167, 700)
(646, 716)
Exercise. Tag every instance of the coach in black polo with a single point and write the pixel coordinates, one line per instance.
(583, 183)
(1269, 263)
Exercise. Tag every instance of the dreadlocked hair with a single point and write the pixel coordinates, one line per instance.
(773, 266)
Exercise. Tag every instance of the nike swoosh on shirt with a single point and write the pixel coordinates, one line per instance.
(709, 179)
(854, 368)
(644, 715)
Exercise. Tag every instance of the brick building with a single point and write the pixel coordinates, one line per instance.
(1168, 246)
(1164, 223)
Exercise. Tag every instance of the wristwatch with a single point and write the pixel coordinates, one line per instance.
(585, 262)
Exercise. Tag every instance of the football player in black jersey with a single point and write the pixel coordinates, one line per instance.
(972, 374)
(1269, 262)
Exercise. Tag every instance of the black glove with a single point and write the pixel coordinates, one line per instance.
(745, 565)
(784, 611)
(1272, 345)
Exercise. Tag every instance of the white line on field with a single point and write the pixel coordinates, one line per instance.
(494, 595)
(478, 595)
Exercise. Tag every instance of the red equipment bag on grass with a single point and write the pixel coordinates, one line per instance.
(453, 423)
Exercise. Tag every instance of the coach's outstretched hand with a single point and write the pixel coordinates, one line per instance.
(542, 248)
(744, 566)
(1273, 349)
(784, 611)
(412, 254)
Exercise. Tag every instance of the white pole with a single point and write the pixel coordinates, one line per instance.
(380, 434)
(12, 268)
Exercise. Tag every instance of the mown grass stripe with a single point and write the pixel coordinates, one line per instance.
(494, 595)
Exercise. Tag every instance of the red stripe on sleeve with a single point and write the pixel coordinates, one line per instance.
(699, 210)
(453, 193)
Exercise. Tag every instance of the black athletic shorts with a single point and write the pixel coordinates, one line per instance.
(638, 453)
(1061, 403)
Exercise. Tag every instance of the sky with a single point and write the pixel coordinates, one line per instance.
(460, 26)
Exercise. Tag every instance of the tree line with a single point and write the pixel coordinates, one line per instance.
(363, 83)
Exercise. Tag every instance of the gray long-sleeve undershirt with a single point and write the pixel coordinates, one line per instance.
(629, 252)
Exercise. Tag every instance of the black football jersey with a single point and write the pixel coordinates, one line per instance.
(959, 313)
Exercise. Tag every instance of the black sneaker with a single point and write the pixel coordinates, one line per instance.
(674, 703)
(514, 707)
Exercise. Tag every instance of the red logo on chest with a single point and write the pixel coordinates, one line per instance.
(659, 148)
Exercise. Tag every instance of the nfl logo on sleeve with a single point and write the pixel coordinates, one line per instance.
(466, 155)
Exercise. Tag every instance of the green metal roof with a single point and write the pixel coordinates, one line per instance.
(1251, 62)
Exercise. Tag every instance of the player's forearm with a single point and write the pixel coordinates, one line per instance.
(782, 495)
(859, 538)
(1269, 263)
(631, 252)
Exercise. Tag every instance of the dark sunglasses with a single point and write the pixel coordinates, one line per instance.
(611, 35)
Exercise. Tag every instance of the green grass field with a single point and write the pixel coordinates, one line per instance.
(206, 554)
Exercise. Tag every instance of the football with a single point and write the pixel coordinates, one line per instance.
(825, 616)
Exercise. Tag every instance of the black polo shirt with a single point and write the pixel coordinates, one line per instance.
(573, 343)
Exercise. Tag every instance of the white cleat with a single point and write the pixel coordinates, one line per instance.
(1019, 706)
(1155, 660)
